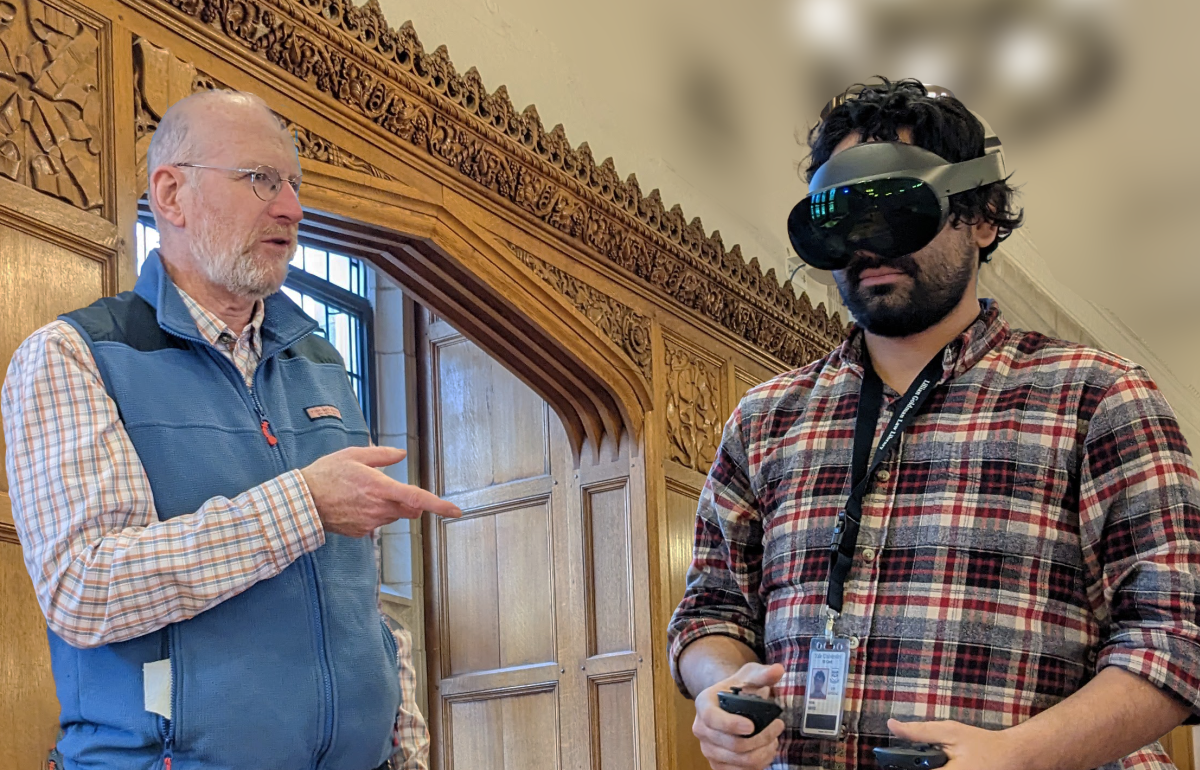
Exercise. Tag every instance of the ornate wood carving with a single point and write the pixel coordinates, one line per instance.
(161, 79)
(350, 54)
(50, 102)
(317, 148)
(694, 415)
(628, 329)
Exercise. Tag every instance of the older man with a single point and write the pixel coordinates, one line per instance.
(195, 492)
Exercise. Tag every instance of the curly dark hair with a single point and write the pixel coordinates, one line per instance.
(940, 124)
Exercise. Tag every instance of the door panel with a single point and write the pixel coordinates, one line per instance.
(489, 435)
(506, 733)
(38, 281)
(616, 725)
(525, 581)
(531, 639)
(610, 582)
(496, 450)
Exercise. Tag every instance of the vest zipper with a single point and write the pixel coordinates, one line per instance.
(326, 676)
(168, 725)
(316, 605)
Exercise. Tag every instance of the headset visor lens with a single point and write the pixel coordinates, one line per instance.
(887, 217)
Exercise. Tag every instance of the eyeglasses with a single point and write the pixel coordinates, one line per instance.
(266, 181)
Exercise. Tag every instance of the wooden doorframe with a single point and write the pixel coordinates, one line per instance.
(460, 272)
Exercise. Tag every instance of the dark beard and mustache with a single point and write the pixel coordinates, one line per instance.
(937, 286)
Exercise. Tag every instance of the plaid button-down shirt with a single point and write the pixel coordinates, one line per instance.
(1040, 520)
(104, 568)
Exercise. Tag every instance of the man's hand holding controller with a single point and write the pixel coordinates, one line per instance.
(726, 739)
(354, 498)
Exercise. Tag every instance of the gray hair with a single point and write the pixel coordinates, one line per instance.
(173, 141)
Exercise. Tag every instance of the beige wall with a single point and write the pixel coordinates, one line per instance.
(626, 77)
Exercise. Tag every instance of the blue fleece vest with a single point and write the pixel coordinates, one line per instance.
(297, 671)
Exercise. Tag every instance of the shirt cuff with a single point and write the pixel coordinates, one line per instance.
(1173, 671)
(289, 516)
(698, 629)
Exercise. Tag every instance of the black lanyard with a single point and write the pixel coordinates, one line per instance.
(845, 534)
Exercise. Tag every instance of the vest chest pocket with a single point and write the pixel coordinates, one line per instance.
(322, 412)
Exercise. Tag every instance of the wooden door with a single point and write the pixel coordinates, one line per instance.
(58, 251)
(531, 599)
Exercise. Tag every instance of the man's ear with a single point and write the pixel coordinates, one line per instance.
(167, 185)
(984, 233)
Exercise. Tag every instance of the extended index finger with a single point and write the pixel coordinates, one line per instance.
(422, 500)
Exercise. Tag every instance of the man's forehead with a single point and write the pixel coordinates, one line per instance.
(247, 149)
(246, 136)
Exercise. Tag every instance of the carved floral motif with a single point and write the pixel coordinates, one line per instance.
(629, 330)
(161, 79)
(320, 149)
(349, 53)
(694, 419)
(50, 104)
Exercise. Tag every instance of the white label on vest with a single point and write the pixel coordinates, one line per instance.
(156, 685)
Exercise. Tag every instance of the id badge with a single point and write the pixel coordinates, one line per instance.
(828, 664)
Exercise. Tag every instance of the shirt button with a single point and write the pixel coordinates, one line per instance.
(884, 475)
(854, 642)
(868, 555)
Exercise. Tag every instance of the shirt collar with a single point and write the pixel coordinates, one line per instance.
(211, 327)
(968, 349)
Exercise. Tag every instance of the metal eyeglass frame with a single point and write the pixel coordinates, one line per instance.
(263, 172)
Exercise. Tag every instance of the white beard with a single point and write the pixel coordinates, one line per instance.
(233, 265)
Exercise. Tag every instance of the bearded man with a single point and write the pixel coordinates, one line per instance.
(988, 538)
(195, 491)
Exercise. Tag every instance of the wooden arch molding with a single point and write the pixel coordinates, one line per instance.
(481, 287)
(341, 71)
(459, 274)
(495, 302)
(381, 83)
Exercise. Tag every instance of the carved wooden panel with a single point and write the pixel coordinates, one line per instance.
(160, 79)
(317, 148)
(628, 329)
(614, 726)
(499, 597)
(694, 414)
(513, 733)
(608, 551)
(491, 428)
(51, 106)
(350, 54)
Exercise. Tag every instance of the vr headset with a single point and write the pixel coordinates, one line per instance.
(887, 198)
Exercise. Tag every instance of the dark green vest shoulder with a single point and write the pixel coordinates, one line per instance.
(125, 318)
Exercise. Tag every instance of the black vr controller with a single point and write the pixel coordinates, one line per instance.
(760, 711)
(919, 757)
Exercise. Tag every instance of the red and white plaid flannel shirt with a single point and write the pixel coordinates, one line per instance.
(1039, 521)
